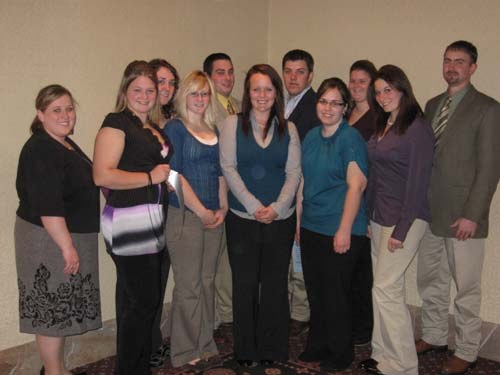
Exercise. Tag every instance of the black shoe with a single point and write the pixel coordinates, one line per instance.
(247, 363)
(370, 365)
(266, 362)
(312, 356)
(158, 358)
(42, 372)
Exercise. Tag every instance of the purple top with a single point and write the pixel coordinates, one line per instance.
(400, 170)
(366, 124)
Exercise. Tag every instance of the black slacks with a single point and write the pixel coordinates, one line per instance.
(328, 279)
(362, 305)
(137, 298)
(259, 255)
(156, 335)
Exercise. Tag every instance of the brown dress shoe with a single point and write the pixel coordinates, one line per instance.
(425, 348)
(457, 366)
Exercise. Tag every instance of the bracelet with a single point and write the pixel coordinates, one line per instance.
(150, 180)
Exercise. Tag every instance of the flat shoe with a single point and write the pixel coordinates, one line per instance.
(266, 362)
(423, 347)
(42, 372)
(370, 366)
(457, 366)
(247, 363)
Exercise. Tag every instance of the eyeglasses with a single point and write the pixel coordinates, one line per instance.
(331, 103)
(199, 94)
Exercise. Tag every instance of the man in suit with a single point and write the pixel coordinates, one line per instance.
(220, 69)
(298, 67)
(464, 178)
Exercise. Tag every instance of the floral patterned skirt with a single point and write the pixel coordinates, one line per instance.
(52, 303)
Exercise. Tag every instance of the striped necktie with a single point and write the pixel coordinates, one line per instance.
(230, 108)
(442, 120)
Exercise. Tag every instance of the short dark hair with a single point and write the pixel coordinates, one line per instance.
(208, 64)
(296, 55)
(409, 108)
(466, 47)
(366, 66)
(278, 109)
(334, 83)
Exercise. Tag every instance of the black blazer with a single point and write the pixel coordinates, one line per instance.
(304, 115)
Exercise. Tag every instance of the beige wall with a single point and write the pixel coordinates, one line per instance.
(85, 45)
(411, 34)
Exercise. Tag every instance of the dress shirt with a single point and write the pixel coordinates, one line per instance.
(398, 180)
(292, 101)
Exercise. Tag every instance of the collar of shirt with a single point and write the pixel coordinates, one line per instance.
(257, 132)
(224, 100)
(455, 101)
(292, 101)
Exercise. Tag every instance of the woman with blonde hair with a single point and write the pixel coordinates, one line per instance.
(131, 159)
(194, 235)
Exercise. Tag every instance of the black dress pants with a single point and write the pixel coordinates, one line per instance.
(156, 335)
(137, 298)
(328, 279)
(362, 305)
(259, 255)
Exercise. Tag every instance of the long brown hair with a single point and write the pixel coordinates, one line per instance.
(44, 98)
(168, 109)
(409, 108)
(278, 109)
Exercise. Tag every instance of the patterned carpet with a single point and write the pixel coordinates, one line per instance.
(224, 364)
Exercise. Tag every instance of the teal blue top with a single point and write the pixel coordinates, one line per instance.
(261, 169)
(324, 167)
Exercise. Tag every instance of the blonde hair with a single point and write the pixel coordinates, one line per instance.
(194, 81)
(134, 70)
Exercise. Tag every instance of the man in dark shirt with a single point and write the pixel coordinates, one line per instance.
(464, 178)
(300, 100)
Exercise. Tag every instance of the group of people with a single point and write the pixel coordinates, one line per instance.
(357, 175)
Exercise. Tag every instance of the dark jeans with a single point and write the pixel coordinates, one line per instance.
(328, 278)
(362, 283)
(137, 298)
(259, 255)
(156, 335)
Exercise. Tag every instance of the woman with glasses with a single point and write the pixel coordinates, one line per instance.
(194, 234)
(333, 223)
(260, 158)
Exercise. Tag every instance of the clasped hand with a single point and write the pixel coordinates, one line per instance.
(265, 215)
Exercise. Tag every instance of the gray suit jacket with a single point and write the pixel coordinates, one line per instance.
(466, 164)
(221, 112)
